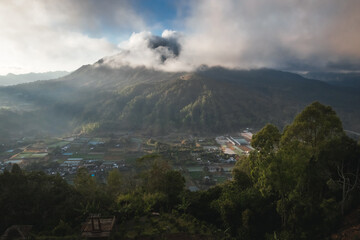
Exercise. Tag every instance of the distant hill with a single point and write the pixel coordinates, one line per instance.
(350, 80)
(207, 101)
(13, 79)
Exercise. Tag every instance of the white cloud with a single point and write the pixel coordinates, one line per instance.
(273, 33)
(145, 49)
(290, 35)
(46, 35)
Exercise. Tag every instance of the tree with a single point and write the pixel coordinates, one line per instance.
(267, 139)
(288, 167)
(263, 159)
(114, 182)
(314, 126)
(16, 169)
(94, 198)
(343, 159)
(161, 178)
(84, 182)
(154, 178)
(174, 184)
(37, 199)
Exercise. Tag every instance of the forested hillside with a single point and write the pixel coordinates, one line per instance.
(207, 101)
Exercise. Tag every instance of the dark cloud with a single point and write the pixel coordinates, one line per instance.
(166, 47)
(145, 49)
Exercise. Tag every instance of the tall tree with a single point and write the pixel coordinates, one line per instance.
(288, 166)
(114, 182)
(313, 127)
(84, 182)
(263, 159)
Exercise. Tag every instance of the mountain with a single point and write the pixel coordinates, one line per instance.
(13, 79)
(350, 80)
(206, 101)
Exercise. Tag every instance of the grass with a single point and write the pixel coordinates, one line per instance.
(196, 175)
(220, 179)
(88, 156)
(31, 155)
(59, 144)
(195, 169)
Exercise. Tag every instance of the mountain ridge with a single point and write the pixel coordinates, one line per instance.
(209, 100)
(14, 79)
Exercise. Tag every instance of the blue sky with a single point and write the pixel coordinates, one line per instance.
(159, 11)
(308, 35)
(158, 14)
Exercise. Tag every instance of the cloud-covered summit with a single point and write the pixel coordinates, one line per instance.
(145, 49)
(294, 35)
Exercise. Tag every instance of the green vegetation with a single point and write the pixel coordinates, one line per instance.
(30, 155)
(89, 128)
(198, 175)
(296, 184)
(101, 101)
(59, 144)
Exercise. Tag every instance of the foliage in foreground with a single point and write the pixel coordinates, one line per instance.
(297, 184)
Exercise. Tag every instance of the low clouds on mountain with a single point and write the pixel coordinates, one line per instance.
(289, 35)
(145, 49)
(294, 35)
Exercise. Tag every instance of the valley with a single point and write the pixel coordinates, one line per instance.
(203, 161)
(181, 120)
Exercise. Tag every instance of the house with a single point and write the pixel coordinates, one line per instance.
(211, 148)
(17, 232)
(97, 227)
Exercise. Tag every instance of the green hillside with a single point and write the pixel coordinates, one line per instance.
(210, 100)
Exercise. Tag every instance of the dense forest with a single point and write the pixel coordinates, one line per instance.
(297, 184)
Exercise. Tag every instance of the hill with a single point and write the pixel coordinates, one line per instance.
(350, 80)
(207, 101)
(13, 79)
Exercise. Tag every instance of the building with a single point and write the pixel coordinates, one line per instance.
(97, 227)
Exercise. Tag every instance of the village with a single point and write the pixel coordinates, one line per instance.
(203, 161)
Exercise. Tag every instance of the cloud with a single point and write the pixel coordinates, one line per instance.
(273, 33)
(145, 49)
(295, 35)
(48, 35)
(298, 35)
(94, 16)
(290, 35)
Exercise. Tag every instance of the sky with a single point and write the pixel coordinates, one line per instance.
(292, 35)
